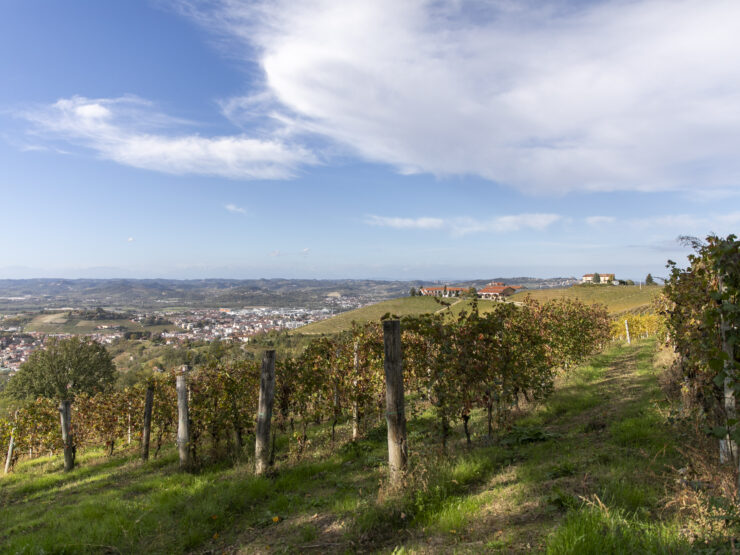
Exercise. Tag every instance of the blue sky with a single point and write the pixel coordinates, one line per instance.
(385, 139)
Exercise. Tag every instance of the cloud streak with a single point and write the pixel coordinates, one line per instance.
(600, 220)
(129, 131)
(234, 209)
(464, 225)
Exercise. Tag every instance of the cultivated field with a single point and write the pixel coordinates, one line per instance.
(622, 298)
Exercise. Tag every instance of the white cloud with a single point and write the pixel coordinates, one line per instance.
(130, 240)
(405, 223)
(542, 96)
(465, 226)
(233, 208)
(128, 131)
(600, 220)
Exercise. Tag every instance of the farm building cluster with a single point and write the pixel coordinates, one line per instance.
(492, 290)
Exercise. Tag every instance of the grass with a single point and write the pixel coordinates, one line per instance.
(597, 530)
(403, 306)
(622, 298)
(585, 472)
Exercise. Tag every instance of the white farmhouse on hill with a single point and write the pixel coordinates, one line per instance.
(603, 278)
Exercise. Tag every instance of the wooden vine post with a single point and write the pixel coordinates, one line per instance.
(183, 423)
(264, 413)
(11, 444)
(147, 429)
(627, 329)
(355, 403)
(128, 442)
(728, 446)
(395, 413)
(65, 413)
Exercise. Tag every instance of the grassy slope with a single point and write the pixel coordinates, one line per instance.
(617, 299)
(402, 306)
(623, 298)
(605, 440)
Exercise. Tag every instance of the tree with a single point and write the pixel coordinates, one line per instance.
(412, 292)
(61, 371)
(597, 278)
(649, 280)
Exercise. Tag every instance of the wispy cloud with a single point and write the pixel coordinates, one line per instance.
(689, 224)
(130, 240)
(544, 96)
(600, 220)
(465, 226)
(279, 253)
(128, 130)
(234, 209)
(405, 223)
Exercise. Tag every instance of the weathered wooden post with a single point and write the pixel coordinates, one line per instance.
(147, 429)
(627, 329)
(728, 446)
(395, 412)
(65, 412)
(264, 413)
(129, 424)
(11, 445)
(183, 422)
(355, 404)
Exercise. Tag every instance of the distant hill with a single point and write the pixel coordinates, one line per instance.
(162, 293)
(24, 294)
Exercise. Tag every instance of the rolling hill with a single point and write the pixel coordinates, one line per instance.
(402, 306)
(617, 300)
(623, 298)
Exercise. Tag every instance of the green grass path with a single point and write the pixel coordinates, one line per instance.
(584, 473)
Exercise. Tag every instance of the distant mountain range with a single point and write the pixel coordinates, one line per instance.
(17, 294)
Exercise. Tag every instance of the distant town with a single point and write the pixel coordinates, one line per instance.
(17, 342)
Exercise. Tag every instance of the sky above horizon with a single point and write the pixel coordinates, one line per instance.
(387, 139)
